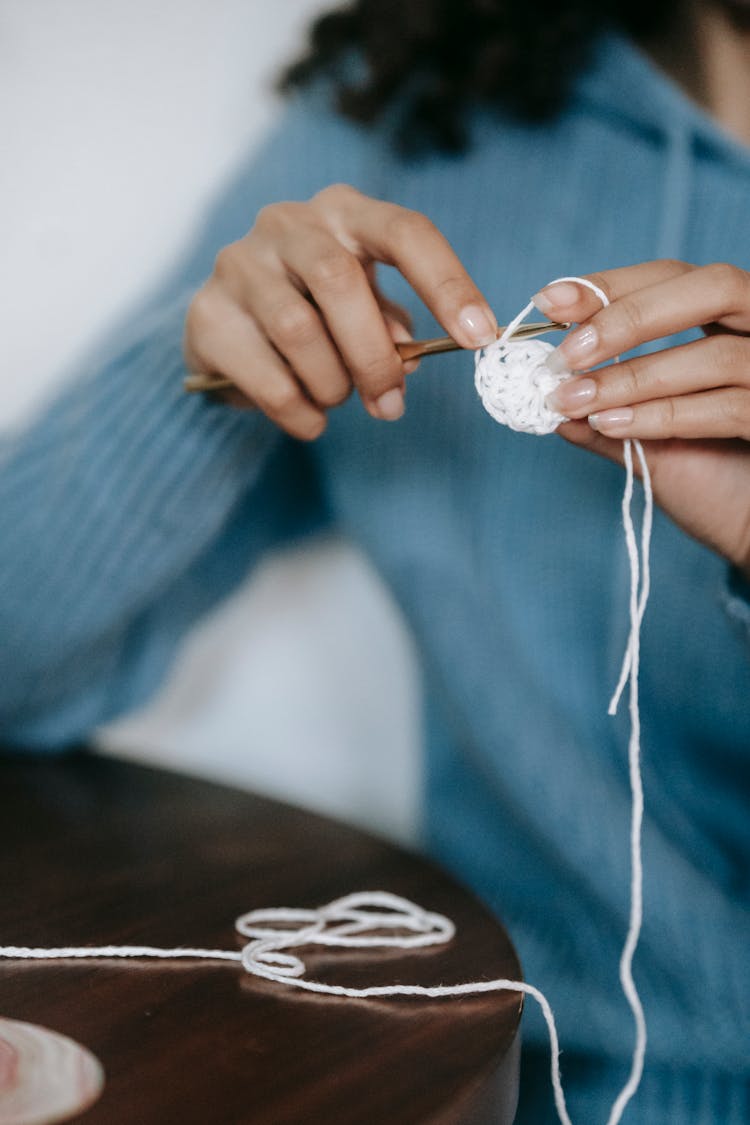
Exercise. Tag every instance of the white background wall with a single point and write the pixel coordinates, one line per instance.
(118, 121)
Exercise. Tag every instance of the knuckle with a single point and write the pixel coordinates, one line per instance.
(669, 269)
(267, 216)
(729, 282)
(631, 317)
(379, 372)
(733, 353)
(281, 398)
(227, 261)
(274, 217)
(454, 293)
(629, 379)
(336, 195)
(266, 223)
(405, 226)
(671, 266)
(457, 289)
(293, 324)
(201, 315)
(335, 268)
(736, 413)
(668, 419)
(330, 397)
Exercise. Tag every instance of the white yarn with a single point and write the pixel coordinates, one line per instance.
(630, 667)
(356, 921)
(512, 377)
(379, 919)
(513, 381)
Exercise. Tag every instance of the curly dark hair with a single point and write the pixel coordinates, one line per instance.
(433, 58)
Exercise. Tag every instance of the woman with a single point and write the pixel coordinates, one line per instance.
(135, 508)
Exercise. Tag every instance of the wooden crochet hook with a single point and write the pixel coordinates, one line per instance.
(411, 349)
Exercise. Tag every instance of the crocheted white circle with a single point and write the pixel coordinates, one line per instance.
(513, 380)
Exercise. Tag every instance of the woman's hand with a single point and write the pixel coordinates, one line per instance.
(690, 404)
(293, 316)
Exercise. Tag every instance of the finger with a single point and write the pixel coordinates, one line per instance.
(396, 311)
(338, 284)
(408, 240)
(231, 344)
(567, 300)
(397, 318)
(233, 397)
(400, 335)
(723, 413)
(580, 433)
(716, 361)
(693, 298)
(295, 329)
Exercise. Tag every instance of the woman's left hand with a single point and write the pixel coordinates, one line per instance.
(689, 404)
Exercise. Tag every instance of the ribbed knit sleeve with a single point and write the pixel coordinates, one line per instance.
(129, 507)
(105, 502)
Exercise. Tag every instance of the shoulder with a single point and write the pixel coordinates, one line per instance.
(308, 146)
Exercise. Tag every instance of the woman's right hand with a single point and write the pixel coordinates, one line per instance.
(293, 316)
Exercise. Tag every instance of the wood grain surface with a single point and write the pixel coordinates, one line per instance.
(99, 851)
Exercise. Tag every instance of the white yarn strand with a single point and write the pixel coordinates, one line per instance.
(648, 512)
(380, 919)
(354, 921)
(102, 952)
(508, 382)
(631, 665)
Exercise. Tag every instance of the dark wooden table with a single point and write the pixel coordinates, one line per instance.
(98, 851)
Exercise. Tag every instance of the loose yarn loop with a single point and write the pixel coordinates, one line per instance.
(363, 920)
(379, 919)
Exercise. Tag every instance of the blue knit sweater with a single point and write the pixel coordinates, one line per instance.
(129, 508)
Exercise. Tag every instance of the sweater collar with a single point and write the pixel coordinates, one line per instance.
(622, 80)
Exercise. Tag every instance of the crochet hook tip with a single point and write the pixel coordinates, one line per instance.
(416, 349)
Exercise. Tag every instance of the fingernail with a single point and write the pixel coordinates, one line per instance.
(611, 419)
(391, 405)
(560, 295)
(557, 363)
(571, 395)
(399, 332)
(575, 349)
(477, 325)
